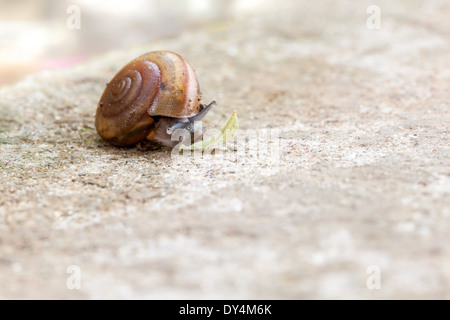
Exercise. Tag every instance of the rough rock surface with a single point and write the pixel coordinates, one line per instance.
(362, 175)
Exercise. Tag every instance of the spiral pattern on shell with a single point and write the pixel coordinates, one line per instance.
(158, 83)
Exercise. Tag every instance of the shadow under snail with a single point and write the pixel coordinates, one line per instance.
(149, 98)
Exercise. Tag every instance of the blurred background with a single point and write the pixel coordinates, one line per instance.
(37, 35)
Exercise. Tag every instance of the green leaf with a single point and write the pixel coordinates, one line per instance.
(228, 132)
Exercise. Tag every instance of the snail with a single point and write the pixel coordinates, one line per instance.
(150, 98)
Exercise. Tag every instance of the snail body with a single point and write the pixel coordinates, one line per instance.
(149, 98)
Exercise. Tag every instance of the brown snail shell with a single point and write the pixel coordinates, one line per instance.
(158, 85)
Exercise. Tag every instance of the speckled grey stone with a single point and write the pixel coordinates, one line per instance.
(362, 176)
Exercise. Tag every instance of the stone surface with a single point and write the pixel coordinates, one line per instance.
(362, 176)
